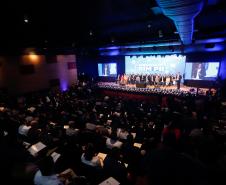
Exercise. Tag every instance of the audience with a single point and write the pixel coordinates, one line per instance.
(181, 141)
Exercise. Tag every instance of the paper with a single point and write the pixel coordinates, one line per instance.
(34, 149)
(66, 126)
(68, 172)
(55, 156)
(137, 145)
(133, 134)
(102, 155)
(110, 181)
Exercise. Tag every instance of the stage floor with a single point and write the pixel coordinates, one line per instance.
(152, 89)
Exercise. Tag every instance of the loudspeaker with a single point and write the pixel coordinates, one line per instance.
(210, 45)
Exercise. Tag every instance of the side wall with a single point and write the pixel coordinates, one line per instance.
(27, 73)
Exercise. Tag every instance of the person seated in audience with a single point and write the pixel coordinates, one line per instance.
(113, 141)
(45, 175)
(25, 127)
(89, 157)
(114, 167)
(71, 131)
(122, 133)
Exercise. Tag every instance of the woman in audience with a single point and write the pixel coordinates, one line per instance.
(113, 141)
(45, 175)
(89, 158)
(114, 167)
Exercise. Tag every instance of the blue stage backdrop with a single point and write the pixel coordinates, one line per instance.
(158, 64)
(89, 65)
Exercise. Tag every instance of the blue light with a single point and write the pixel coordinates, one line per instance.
(63, 86)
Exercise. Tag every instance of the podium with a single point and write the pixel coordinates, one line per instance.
(141, 85)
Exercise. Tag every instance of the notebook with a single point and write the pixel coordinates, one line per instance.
(34, 149)
(110, 181)
(137, 145)
(66, 126)
(102, 155)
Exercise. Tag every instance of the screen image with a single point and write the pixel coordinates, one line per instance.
(168, 64)
(202, 71)
(107, 69)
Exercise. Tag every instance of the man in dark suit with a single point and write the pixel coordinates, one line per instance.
(178, 80)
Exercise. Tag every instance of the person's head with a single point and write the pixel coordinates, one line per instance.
(113, 136)
(169, 139)
(129, 138)
(46, 166)
(89, 152)
(115, 153)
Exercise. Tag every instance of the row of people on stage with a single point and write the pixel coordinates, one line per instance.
(150, 79)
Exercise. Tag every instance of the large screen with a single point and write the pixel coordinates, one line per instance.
(107, 69)
(158, 64)
(202, 71)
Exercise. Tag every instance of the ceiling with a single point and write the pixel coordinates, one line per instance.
(86, 23)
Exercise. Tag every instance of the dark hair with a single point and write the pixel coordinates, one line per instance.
(46, 166)
(89, 152)
(114, 153)
(169, 139)
(129, 138)
(113, 135)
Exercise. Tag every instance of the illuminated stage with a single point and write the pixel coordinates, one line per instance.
(151, 89)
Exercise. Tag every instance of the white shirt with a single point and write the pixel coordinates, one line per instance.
(111, 145)
(23, 129)
(39, 179)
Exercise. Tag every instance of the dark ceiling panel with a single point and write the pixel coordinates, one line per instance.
(67, 23)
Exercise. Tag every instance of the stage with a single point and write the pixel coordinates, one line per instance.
(151, 89)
